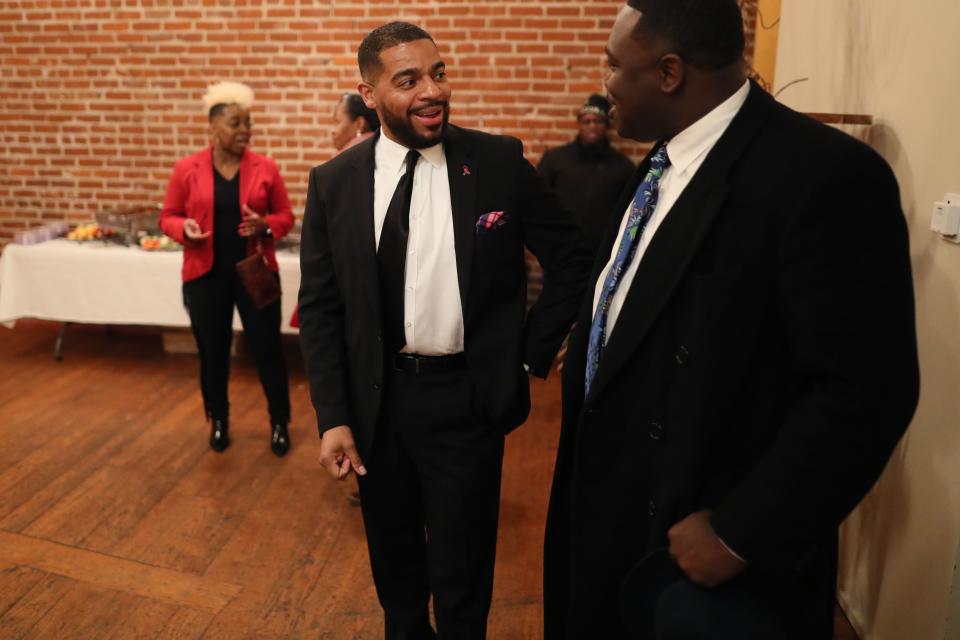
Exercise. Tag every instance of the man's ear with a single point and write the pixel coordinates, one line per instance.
(672, 72)
(365, 89)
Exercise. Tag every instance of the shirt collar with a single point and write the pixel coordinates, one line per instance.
(697, 139)
(390, 155)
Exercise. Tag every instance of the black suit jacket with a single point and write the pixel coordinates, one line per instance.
(340, 313)
(763, 367)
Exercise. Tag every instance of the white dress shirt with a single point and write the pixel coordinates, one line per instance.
(687, 151)
(433, 316)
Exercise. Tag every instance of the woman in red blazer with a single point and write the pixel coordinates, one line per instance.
(221, 203)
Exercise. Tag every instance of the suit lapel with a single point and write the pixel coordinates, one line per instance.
(678, 239)
(461, 174)
(361, 206)
(203, 167)
(249, 164)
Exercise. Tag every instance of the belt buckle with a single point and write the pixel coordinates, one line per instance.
(416, 365)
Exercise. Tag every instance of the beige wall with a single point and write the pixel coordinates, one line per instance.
(900, 61)
(765, 41)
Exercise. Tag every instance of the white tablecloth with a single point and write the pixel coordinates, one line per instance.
(105, 284)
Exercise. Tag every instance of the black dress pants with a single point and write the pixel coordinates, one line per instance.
(210, 300)
(430, 503)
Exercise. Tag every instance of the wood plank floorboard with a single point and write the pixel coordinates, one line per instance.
(16, 582)
(34, 605)
(118, 522)
(119, 574)
(85, 611)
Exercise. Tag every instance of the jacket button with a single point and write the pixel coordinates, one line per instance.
(380, 337)
(682, 356)
(656, 431)
(376, 386)
(591, 411)
(651, 508)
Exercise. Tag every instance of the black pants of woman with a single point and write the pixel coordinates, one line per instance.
(210, 300)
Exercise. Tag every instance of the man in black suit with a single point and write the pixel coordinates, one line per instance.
(412, 305)
(745, 359)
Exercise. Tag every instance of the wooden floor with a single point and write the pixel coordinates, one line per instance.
(117, 521)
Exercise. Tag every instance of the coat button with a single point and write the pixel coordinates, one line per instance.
(380, 337)
(376, 386)
(656, 431)
(682, 356)
(651, 508)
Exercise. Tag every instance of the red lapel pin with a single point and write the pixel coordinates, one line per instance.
(466, 170)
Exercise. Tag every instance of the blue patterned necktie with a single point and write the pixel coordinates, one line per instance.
(644, 202)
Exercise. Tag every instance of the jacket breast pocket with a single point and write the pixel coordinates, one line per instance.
(496, 231)
(498, 251)
(493, 223)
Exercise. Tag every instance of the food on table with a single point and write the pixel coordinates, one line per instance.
(158, 243)
(87, 232)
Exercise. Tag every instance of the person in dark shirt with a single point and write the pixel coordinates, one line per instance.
(588, 174)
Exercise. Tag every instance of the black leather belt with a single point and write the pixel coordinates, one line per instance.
(415, 363)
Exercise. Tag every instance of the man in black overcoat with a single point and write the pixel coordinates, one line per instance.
(745, 359)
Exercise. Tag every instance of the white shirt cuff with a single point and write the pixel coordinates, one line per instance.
(731, 551)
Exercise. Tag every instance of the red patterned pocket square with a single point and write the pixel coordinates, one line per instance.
(491, 220)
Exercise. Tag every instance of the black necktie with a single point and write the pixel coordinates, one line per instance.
(392, 256)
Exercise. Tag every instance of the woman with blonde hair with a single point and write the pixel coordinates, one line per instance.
(223, 204)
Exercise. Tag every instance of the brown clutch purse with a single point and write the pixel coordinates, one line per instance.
(256, 277)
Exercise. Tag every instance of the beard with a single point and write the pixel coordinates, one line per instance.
(406, 134)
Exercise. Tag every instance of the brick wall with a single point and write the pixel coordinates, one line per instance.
(99, 98)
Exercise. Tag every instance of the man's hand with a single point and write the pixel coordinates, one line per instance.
(193, 232)
(253, 223)
(338, 453)
(697, 549)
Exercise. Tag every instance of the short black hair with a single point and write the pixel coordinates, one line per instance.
(707, 34)
(355, 107)
(598, 101)
(596, 105)
(384, 37)
(216, 110)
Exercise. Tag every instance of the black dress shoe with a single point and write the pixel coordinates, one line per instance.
(280, 439)
(219, 436)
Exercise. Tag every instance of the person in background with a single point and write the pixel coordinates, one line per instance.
(588, 174)
(223, 204)
(354, 122)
